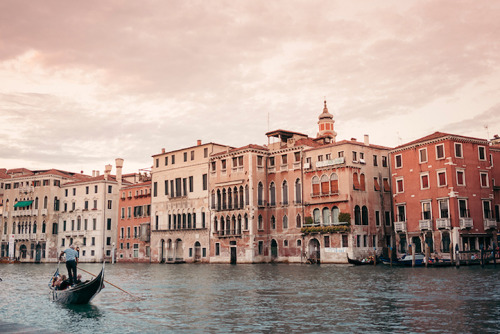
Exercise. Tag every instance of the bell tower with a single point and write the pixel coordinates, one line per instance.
(325, 124)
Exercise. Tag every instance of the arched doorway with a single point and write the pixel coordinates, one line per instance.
(313, 255)
(170, 251)
(274, 250)
(23, 250)
(162, 248)
(418, 244)
(197, 251)
(179, 255)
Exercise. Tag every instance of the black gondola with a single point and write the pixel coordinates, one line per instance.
(360, 263)
(81, 293)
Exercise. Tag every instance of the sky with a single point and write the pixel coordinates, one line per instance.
(85, 82)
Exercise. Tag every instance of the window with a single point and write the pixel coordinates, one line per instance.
(94, 224)
(87, 190)
(387, 186)
(482, 152)
(422, 155)
(387, 218)
(166, 161)
(398, 161)
(487, 213)
(185, 156)
(261, 247)
(376, 184)
(354, 156)
(377, 218)
(192, 155)
(96, 188)
(95, 204)
(284, 159)
(271, 161)
(462, 208)
(205, 152)
(439, 151)
(223, 165)
(341, 154)
(297, 156)
(458, 150)
(205, 181)
(327, 241)
(157, 162)
(272, 194)
(259, 160)
(285, 193)
(426, 210)
(191, 185)
(424, 181)
(110, 204)
(320, 158)
(214, 166)
(460, 177)
(357, 215)
(298, 221)
(384, 161)
(110, 189)
(364, 215)
(484, 179)
(441, 176)
(315, 185)
(443, 208)
(217, 248)
(108, 225)
(401, 213)
(155, 189)
(273, 223)
(93, 241)
(74, 191)
(375, 162)
(173, 159)
(260, 223)
(399, 185)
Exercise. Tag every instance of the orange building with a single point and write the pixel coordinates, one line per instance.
(443, 194)
(134, 223)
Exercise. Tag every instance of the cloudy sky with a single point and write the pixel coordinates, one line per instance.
(85, 82)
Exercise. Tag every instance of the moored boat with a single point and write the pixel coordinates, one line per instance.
(81, 293)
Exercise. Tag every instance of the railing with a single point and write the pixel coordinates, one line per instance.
(42, 237)
(4, 237)
(400, 226)
(6, 214)
(271, 169)
(284, 167)
(466, 223)
(227, 234)
(443, 223)
(490, 223)
(296, 165)
(34, 212)
(44, 212)
(330, 193)
(425, 224)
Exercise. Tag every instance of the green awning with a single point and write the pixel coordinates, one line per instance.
(22, 204)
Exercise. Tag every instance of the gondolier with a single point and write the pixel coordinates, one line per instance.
(71, 262)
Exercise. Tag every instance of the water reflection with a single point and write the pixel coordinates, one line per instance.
(262, 298)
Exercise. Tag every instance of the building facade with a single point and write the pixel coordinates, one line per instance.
(443, 194)
(134, 223)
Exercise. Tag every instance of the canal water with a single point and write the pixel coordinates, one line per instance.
(261, 298)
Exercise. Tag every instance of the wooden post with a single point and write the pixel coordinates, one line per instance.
(457, 256)
(494, 256)
(390, 256)
(375, 256)
(412, 254)
(482, 257)
(426, 254)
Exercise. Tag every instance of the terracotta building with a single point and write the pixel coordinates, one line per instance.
(443, 194)
(134, 222)
(281, 202)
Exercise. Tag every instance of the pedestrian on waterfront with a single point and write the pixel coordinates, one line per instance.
(71, 262)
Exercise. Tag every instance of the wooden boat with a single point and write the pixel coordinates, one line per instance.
(81, 293)
(9, 260)
(361, 263)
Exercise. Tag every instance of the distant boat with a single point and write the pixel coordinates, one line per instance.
(81, 293)
(407, 260)
(8, 260)
(361, 262)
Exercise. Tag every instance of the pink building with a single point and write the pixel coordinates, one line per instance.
(443, 194)
(134, 223)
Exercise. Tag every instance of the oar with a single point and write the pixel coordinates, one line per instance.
(85, 271)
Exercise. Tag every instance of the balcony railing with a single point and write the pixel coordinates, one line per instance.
(443, 223)
(466, 223)
(425, 225)
(400, 226)
(4, 237)
(44, 212)
(296, 165)
(42, 237)
(6, 214)
(490, 223)
(228, 233)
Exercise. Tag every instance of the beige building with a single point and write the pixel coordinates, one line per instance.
(179, 205)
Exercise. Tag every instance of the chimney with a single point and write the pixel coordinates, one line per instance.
(107, 171)
(353, 139)
(93, 173)
(119, 166)
(97, 173)
(367, 140)
(198, 142)
(163, 150)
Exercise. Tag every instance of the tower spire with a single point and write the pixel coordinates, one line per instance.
(325, 124)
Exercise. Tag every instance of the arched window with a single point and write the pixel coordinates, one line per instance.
(285, 222)
(316, 216)
(285, 192)
(246, 222)
(222, 229)
(189, 223)
(213, 200)
(261, 225)
(233, 225)
(45, 202)
(43, 227)
(216, 225)
(36, 203)
(362, 182)
(298, 221)
(364, 214)
(235, 193)
(298, 191)
(335, 215)
(228, 225)
(357, 215)
(272, 194)
(326, 216)
(315, 186)
(34, 227)
(229, 199)
(260, 194)
(238, 228)
(56, 204)
(273, 223)
(224, 199)
(219, 200)
(247, 195)
(325, 184)
(334, 183)
(78, 223)
(55, 228)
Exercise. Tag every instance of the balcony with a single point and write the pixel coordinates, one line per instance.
(228, 233)
(466, 223)
(42, 237)
(490, 224)
(425, 225)
(34, 212)
(284, 167)
(44, 212)
(6, 214)
(296, 165)
(443, 223)
(4, 237)
(400, 226)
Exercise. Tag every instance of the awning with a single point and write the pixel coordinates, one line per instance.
(22, 204)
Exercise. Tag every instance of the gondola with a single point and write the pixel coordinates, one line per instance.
(360, 263)
(81, 293)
